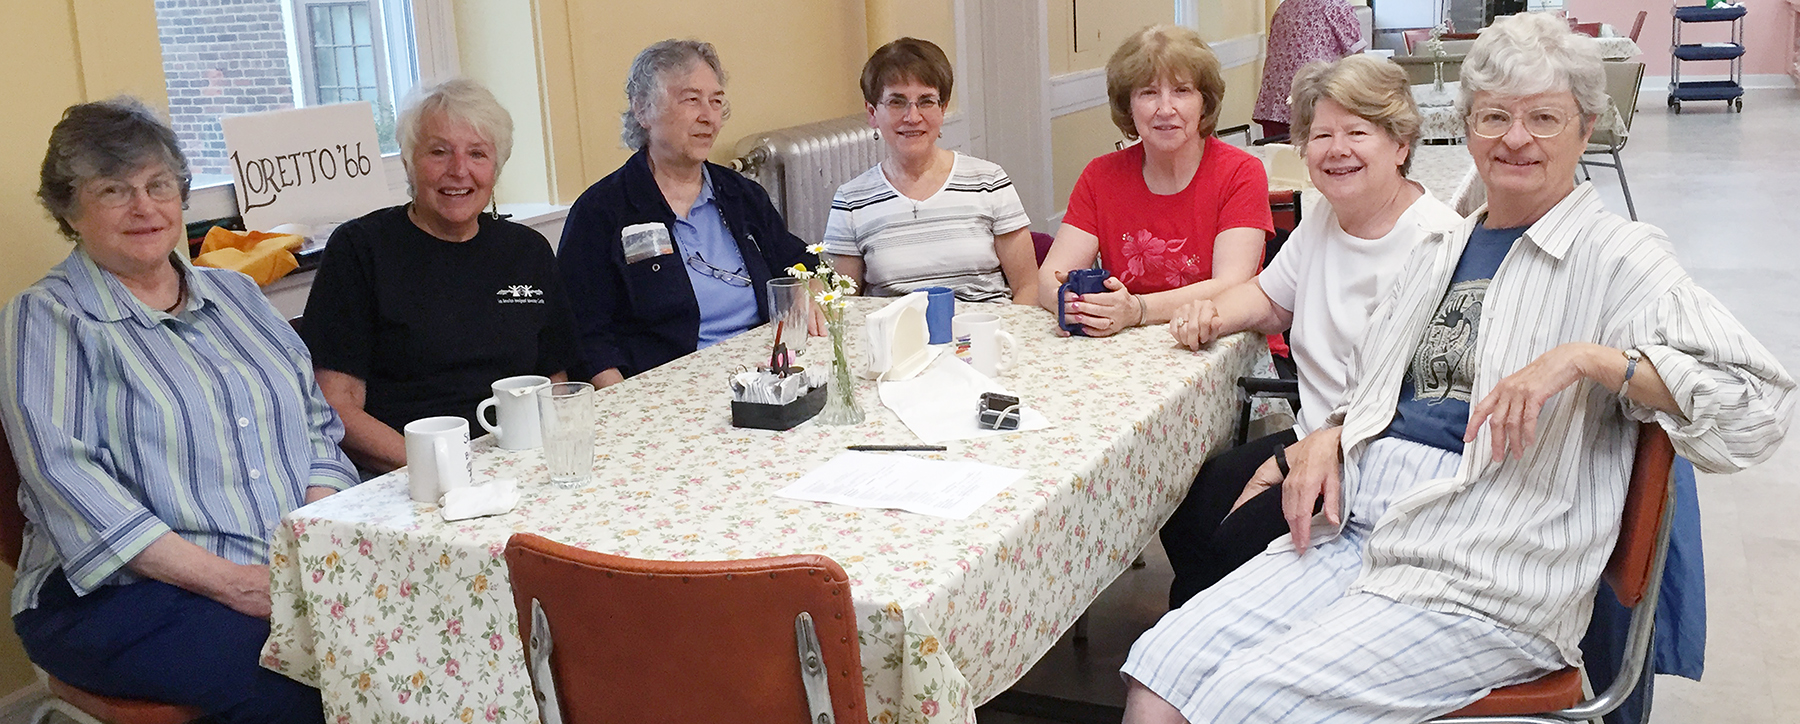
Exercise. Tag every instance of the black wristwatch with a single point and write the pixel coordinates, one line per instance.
(1281, 460)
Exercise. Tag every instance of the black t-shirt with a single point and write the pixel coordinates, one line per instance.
(429, 324)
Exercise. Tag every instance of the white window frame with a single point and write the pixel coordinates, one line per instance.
(434, 39)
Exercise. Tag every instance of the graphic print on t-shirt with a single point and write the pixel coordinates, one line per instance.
(1443, 365)
(1157, 261)
(520, 294)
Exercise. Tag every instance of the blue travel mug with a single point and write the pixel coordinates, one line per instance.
(1080, 281)
(940, 306)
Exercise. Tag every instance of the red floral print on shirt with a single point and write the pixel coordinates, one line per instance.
(1157, 262)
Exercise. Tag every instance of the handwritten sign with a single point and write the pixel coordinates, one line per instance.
(307, 165)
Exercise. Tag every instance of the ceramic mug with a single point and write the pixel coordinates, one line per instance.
(1080, 281)
(437, 457)
(940, 308)
(991, 348)
(515, 412)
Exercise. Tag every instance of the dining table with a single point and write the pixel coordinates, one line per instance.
(399, 616)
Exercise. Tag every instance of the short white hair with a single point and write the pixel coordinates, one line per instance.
(458, 100)
(1532, 53)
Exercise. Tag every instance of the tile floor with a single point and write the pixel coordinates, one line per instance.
(1724, 186)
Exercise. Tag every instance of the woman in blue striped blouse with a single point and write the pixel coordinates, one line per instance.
(164, 419)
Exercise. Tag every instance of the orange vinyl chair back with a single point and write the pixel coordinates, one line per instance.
(642, 641)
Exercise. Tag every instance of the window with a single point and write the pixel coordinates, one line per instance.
(231, 57)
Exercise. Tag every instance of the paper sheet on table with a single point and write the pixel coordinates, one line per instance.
(932, 487)
(939, 404)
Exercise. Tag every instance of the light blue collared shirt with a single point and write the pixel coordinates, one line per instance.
(128, 422)
(726, 307)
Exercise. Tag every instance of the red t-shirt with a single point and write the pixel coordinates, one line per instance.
(1155, 243)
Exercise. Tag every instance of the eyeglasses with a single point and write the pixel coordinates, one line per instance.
(734, 278)
(113, 194)
(926, 104)
(1540, 122)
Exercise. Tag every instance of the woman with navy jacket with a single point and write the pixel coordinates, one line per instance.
(670, 253)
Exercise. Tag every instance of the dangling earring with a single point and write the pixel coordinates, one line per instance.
(877, 134)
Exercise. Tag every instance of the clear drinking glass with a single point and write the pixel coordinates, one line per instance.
(566, 421)
(790, 306)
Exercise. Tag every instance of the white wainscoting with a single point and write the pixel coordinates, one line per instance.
(1084, 89)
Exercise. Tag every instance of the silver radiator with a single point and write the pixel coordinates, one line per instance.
(803, 166)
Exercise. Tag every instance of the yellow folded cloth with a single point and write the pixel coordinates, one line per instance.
(263, 256)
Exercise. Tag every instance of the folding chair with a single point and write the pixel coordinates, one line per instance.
(1285, 206)
(1622, 81)
(1635, 573)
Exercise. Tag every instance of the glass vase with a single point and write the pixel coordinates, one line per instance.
(840, 399)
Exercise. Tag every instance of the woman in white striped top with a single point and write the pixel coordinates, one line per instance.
(1485, 440)
(927, 216)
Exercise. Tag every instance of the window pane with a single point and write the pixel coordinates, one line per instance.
(346, 58)
(365, 66)
(359, 22)
(340, 25)
(321, 24)
(231, 58)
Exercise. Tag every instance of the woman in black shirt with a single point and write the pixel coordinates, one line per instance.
(416, 309)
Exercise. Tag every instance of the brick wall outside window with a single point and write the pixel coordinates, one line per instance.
(221, 58)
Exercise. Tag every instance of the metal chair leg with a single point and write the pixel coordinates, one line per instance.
(1619, 165)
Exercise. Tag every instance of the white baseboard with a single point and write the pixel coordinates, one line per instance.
(1751, 82)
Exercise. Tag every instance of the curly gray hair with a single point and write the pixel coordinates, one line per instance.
(649, 75)
(1530, 53)
(104, 139)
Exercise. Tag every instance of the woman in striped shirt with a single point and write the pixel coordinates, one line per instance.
(164, 418)
(927, 216)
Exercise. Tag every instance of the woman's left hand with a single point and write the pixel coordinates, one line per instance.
(1511, 408)
(1106, 313)
(815, 322)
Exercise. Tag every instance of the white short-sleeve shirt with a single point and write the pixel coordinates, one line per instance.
(946, 240)
(1332, 282)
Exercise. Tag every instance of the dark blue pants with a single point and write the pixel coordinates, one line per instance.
(153, 641)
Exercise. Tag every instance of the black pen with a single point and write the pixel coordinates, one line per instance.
(897, 448)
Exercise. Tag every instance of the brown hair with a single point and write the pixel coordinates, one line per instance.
(1168, 52)
(903, 60)
(1375, 90)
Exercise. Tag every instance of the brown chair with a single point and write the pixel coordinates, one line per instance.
(1591, 30)
(69, 701)
(1414, 37)
(1635, 573)
(614, 639)
(1637, 25)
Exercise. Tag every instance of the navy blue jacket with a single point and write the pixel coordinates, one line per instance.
(637, 316)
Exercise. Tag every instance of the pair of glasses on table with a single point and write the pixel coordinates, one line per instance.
(734, 278)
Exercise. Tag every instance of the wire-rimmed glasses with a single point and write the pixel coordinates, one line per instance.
(734, 278)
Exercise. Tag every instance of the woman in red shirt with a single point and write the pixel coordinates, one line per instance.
(1179, 217)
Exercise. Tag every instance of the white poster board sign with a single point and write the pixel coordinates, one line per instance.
(307, 165)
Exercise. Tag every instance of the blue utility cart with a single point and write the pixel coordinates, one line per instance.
(1731, 91)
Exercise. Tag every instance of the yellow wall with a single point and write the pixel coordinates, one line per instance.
(496, 44)
(789, 62)
(63, 52)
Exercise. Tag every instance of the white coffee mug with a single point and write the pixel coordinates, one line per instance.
(437, 457)
(515, 412)
(990, 347)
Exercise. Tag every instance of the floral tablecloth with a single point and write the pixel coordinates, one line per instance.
(398, 616)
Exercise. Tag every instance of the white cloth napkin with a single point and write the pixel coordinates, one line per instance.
(494, 498)
(940, 404)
